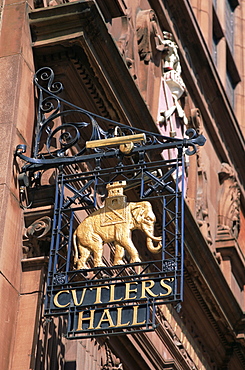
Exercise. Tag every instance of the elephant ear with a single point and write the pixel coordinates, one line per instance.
(138, 210)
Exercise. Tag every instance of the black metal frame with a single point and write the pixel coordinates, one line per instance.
(158, 181)
(51, 107)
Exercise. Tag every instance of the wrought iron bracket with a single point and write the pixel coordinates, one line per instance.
(81, 136)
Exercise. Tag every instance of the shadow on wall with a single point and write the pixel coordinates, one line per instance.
(70, 365)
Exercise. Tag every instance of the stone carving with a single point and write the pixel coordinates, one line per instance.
(171, 60)
(172, 76)
(112, 362)
(114, 223)
(202, 203)
(197, 182)
(196, 120)
(176, 340)
(149, 39)
(151, 51)
(153, 61)
(229, 201)
(36, 235)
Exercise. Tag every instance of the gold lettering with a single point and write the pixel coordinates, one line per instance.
(112, 294)
(98, 293)
(81, 319)
(166, 286)
(119, 317)
(56, 302)
(102, 319)
(135, 316)
(128, 291)
(74, 296)
(147, 289)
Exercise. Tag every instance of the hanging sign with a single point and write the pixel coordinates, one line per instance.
(102, 298)
(97, 169)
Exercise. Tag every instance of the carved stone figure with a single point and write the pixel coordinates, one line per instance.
(112, 362)
(229, 201)
(114, 223)
(172, 77)
(171, 60)
(37, 238)
(197, 195)
(151, 51)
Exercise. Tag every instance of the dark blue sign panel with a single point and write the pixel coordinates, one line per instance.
(129, 291)
(109, 318)
(115, 299)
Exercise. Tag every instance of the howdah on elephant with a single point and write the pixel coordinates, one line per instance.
(114, 223)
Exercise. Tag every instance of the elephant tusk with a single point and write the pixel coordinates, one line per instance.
(149, 242)
(151, 247)
(152, 237)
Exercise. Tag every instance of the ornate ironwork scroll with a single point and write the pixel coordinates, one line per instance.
(68, 126)
(89, 153)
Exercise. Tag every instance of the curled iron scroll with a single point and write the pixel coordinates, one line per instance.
(51, 107)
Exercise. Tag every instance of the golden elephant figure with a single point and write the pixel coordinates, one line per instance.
(114, 223)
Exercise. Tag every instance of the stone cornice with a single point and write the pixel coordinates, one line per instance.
(209, 273)
(80, 25)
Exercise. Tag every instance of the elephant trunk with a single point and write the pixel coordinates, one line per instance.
(151, 247)
(149, 242)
